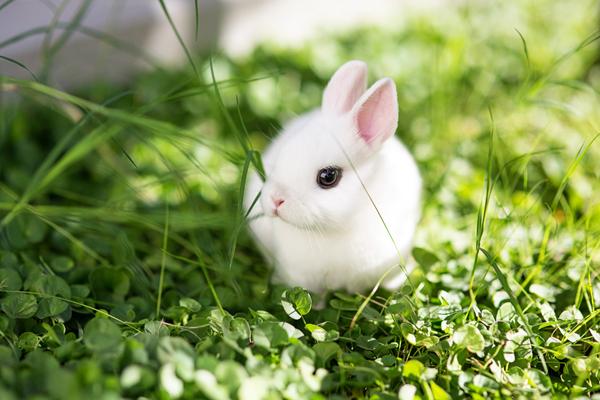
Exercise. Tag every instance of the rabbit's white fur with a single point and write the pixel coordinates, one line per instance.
(336, 238)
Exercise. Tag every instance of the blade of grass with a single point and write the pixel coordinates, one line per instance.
(585, 287)
(191, 61)
(367, 299)
(209, 283)
(197, 19)
(163, 261)
(538, 84)
(47, 42)
(553, 207)
(389, 233)
(114, 42)
(58, 229)
(181, 221)
(228, 119)
(527, 81)
(151, 125)
(50, 50)
(194, 242)
(241, 136)
(40, 177)
(179, 38)
(240, 206)
(526, 157)
(251, 157)
(483, 209)
(37, 177)
(5, 4)
(198, 253)
(515, 302)
(78, 243)
(257, 159)
(203, 88)
(20, 64)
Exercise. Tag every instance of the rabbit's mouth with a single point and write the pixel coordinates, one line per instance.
(305, 226)
(276, 215)
(291, 218)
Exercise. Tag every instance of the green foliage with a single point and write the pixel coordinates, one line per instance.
(19, 305)
(296, 302)
(126, 271)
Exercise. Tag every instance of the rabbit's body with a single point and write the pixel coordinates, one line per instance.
(325, 237)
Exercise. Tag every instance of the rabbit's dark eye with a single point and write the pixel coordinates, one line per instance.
(329, 177)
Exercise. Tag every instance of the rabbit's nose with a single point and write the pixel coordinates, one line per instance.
(277, 201)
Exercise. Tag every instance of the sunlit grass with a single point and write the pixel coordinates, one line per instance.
(123, 205)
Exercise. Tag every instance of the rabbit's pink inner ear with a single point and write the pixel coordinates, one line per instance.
(376, 113)
(345, 87)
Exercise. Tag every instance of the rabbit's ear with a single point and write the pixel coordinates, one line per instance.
(376, 113)
(345, 87)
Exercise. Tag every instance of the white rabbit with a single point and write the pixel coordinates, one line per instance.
(333, 177)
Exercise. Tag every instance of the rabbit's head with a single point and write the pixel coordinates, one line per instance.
(318, 166)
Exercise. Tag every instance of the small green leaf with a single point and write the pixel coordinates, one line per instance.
(368, 343)
(424, 258)
(124, 312)
(80, 291)
(413, 369)
(326, 351)
(8, 260)
(469, 337)
(270, 334)
(236, 328)
(28, 341)
(571, 313)
(25, 229)
(56, 289)
(291, 330)
(109, 283)
(296, 302)
(178, 352)
(51, 285)
(190, 304)
(408, 332)
(19, 305)
(438, 392)
(318, 333)
(207, 382)
(402, 307)
(10, 279)
(101, 335)
(231, 374)
(506, 312)
(170, 382)
(156, 328)
(547, 312)
(388, 360)
(7, 355)
(408, 392)
(61, 264)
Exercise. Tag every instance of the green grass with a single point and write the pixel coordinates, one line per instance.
(126, 269)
